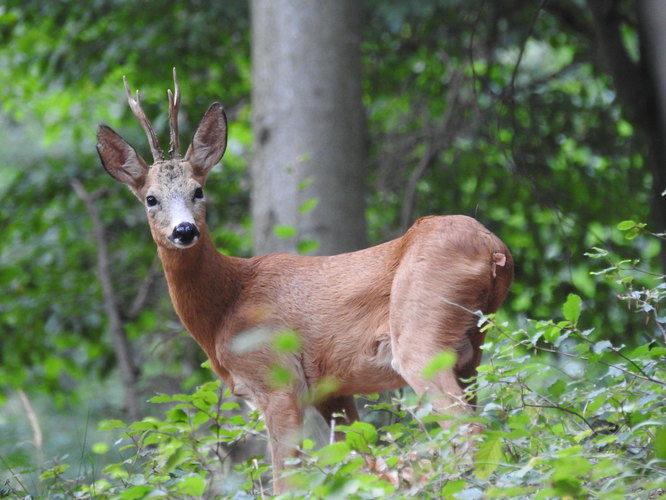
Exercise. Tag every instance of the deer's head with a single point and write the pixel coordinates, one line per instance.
(170, 189)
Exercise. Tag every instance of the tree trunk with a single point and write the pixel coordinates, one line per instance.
(308, 170)
(652, 29)
(641, 86)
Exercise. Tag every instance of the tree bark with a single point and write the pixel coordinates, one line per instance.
(309, 124)
(641, 86)
(652, 29)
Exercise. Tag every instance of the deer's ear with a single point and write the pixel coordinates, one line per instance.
(209, 141)
(120, 159)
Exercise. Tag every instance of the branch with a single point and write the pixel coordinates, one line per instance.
(647, 378)
(116, 328)
(437, 140)
(142, 294)
(34, 424)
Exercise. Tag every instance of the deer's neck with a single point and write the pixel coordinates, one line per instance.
(204, 286)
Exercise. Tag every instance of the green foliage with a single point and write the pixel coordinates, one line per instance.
(565, 415)
(67, 60)
(505, 116)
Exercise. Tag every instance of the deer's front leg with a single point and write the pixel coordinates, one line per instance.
(283, 414)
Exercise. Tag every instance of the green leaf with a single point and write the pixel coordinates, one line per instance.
(161, 398)
(624, 128)
(625, 225)
(284, 232)
(192, 486)
(557, 388)
(552, 333)
(305, 183)
(452, 487)
(229, 406)
(308, 205)
(147, 424)
(288, 342)
(177, 415)
(632, 233)
(442, 361)
(571, 308)
(54, 472)
(153, 438)
(280, 376)
(352, 466)
(660, 443)
(488, 457)
(110, 424)
(326, 386)
(333, 453)
(100, 448)
(631, 227)
(204, 399)
(307, 246)
(136, 492)
(308, 444)
(360, 435)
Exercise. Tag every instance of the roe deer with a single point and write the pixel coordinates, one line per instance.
(371, 319)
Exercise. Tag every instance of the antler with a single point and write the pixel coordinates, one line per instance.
(135, 106)
(174, 105)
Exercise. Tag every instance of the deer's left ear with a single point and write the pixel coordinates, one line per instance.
(209, 141)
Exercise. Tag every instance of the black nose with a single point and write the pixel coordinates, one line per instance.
(185, 233)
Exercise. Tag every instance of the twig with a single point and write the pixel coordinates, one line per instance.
(550, 404)
(14, 475)
(34, 424)
(331, 436)
(616, 352)
(144, 289)
(446, 134)
(576, 356)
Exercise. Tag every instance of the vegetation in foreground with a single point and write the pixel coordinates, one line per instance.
(567, 415)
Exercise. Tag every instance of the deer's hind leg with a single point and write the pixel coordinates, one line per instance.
(430, 313)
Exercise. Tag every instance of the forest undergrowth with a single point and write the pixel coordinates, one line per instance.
(567, 414)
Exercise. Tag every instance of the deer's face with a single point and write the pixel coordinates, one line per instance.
(175, 203)
(171, 190)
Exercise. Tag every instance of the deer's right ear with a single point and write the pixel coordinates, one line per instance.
(120, 159)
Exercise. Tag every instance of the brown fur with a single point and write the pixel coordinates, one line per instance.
(371, 319)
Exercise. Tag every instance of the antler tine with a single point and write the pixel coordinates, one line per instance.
(174, 105)
(135, 106)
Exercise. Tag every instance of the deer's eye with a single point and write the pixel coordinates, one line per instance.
(151, 201)
(198, 194)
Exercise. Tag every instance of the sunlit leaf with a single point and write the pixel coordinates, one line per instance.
(333, 453)
(488, 457)
(445, 360)
(571, 308)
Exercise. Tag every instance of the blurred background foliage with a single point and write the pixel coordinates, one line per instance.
(499, 110)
